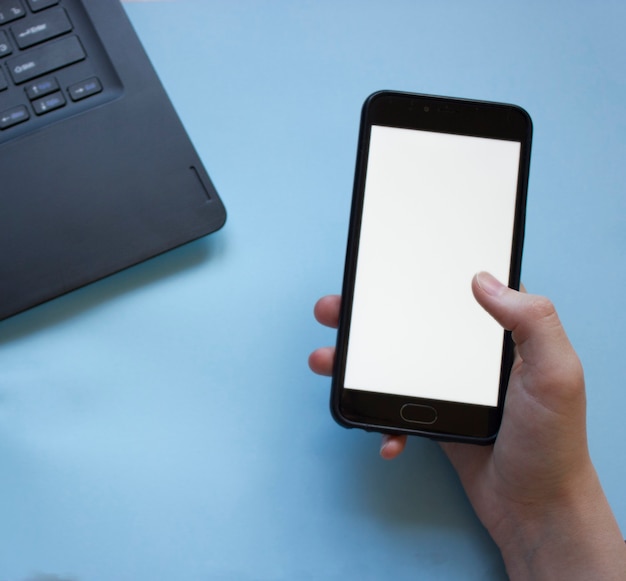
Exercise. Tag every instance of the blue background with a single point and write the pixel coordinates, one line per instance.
(162, 424)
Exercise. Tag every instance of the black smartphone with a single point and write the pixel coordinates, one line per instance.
(439, 194)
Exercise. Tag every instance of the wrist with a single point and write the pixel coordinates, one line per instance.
(572, 535)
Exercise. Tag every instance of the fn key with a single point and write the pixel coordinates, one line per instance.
(84, 89)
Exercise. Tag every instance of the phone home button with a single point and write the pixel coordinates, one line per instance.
(418, 414)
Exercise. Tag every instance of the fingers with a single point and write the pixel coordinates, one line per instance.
(321, 361)
(536, 329)
(327, 310)
(392, 446)
(540, 339)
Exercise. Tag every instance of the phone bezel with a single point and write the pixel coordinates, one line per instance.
(382, 412)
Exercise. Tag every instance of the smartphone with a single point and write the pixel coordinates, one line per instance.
(439, 194)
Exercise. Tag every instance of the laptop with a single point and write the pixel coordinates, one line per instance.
(96, 170)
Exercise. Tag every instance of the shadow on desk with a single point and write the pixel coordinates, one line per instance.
(73, 304)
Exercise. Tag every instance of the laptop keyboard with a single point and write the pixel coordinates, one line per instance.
(51, 64)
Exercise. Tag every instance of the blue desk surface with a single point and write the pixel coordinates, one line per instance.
(162, 424)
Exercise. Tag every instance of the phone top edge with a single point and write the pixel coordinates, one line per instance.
(388, 93)
(382, 108)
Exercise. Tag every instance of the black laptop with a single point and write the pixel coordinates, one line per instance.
(96, 170)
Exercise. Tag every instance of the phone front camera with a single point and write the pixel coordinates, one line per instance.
(426, 109)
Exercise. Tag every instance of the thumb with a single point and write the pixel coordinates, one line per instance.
(540, 339)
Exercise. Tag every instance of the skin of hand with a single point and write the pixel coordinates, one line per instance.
(535, 490)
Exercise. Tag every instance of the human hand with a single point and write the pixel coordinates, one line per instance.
(535, 489)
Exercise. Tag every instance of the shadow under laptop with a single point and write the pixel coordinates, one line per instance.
(73, 304)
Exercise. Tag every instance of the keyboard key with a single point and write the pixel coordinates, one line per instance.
(41, 27)
(11, 10)
(13, 117)
(3, 81)
(36, 5)
(40, 88)
(45, 59)
(49, 103)
(84, 89)
(5, 47)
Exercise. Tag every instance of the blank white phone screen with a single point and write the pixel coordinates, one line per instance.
(437, 209)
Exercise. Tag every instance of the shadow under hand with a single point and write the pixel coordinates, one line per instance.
(418, 488)
(419, 498)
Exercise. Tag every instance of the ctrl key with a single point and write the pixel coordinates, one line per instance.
(13, 116)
